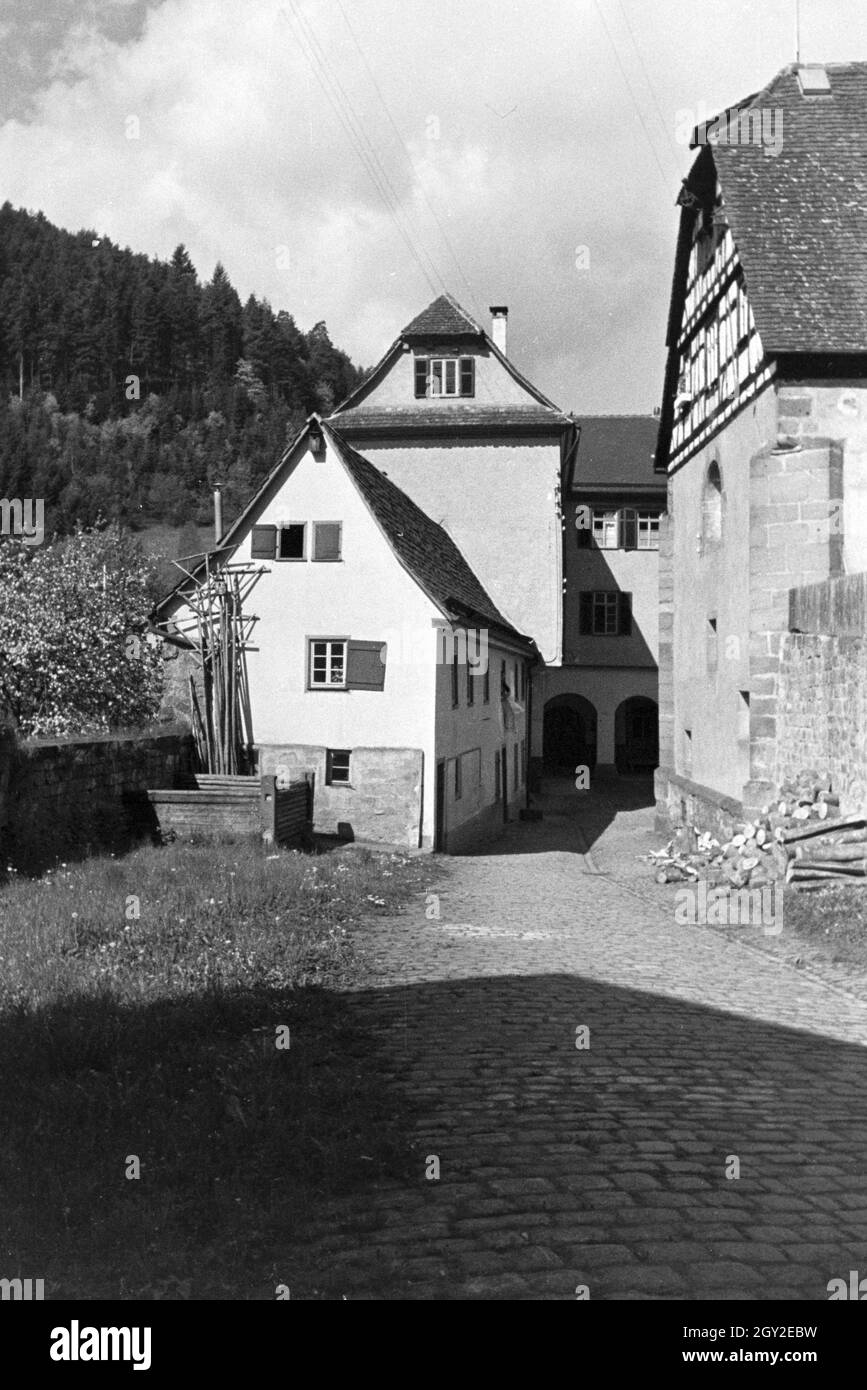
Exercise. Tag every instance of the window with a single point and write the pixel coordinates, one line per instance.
(605, 529)
(496, 776)
(455, 691)
(648, 531)
(340, 664)
(523, 757)
(515, 778)
(336, 766)
(605, 613)
(445, 376)
(328, 663)
(459, 791)
(326, 540)
(486, 688)
(471, 690)
(290, 544)
(711, 505)
(278, 542)
(504, 684)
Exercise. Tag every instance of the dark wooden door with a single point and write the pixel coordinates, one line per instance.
(440, 812)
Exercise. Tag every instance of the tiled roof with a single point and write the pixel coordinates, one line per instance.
(616, 450)
(424, 548)
(443, 416)
(799, 217)
(442, 318)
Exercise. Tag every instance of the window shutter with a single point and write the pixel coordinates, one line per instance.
(624, 614)
(421, 376)
(326, 540)
(585, 611)
(468, 376)
(263, 544)
(628, 529)
(365, 666)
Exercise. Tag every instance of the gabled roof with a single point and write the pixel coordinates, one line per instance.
(423, 548)
(443, 318)
(799, 216)
(616, 451)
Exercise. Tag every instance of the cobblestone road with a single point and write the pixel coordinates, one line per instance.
(604, 1166)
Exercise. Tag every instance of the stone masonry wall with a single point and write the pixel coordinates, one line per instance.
(795, 501)
(382, 802)
(822, 712)
(61, 797)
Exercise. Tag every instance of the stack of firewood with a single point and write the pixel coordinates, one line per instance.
(798, 839)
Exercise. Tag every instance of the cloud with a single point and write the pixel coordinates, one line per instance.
(256, 135)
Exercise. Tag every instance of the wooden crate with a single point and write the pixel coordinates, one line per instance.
(215, 806)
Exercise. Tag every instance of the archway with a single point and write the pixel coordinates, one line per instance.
(568, 733)
(636, 735)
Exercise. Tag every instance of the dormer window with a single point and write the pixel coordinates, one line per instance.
(445, 376)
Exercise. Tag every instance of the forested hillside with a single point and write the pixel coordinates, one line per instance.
(127, 387)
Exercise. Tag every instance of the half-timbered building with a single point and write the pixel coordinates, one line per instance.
(763, 429)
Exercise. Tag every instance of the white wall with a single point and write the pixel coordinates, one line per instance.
(366, 595)
(498, 502)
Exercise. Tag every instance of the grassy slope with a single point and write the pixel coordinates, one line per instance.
(155, 1036)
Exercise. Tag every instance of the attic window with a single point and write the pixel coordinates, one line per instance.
(445, 376)
(813, 81)
(291, 541)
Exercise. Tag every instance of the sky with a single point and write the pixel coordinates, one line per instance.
(350, 159)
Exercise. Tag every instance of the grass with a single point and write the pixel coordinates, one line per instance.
(139, 1005)
(825, 931)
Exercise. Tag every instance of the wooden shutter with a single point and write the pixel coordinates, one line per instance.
(365, 665)
(468, 376)
(326, 540)
(263, 544)
(629, 529)
(585, 611)
(421, 376)
(624, 614)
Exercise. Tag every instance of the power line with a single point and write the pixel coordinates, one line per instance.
(649, 84)
(408, 158)
(345, 112)
(629, 86)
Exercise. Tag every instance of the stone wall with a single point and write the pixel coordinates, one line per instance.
(821, 714)
(382, 802)
(60, 798)
(795, 501)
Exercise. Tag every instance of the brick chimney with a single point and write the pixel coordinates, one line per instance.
(499, 323)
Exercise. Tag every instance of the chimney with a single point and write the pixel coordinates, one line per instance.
(218, 513)
(499, 323)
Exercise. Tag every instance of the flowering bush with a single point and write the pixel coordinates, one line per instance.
(72, 658)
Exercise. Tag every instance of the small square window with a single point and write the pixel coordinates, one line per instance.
(326, 540)
(328, 664)
(290, 541)
(337, 761)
